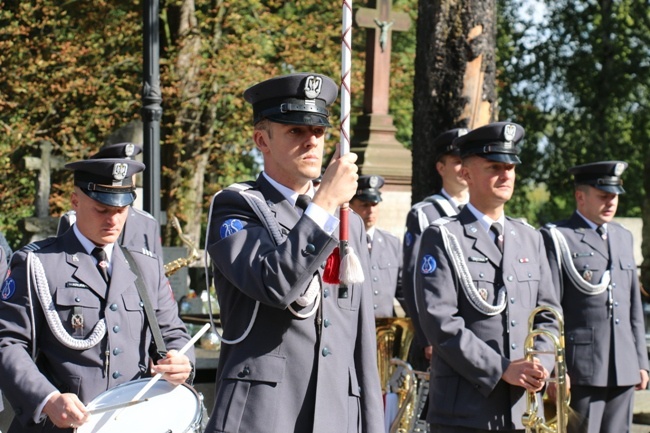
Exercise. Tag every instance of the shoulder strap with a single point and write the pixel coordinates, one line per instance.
(446, 209)
(148, 308)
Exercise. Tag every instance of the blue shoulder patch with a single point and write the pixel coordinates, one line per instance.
(428, 265)
(408, 239)
(8, 289)
(230, 227)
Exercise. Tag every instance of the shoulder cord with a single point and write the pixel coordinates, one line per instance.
(53, 320)
(565, 257)
(458, 261)
(446, 208)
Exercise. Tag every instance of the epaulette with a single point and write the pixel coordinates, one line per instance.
(442, 221)
(241, 186)
(143, 213)
(141, 250)
(35, 246)
(550, 225)
(522, 221)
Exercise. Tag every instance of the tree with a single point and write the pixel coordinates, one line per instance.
(579, 77)
(455, 77)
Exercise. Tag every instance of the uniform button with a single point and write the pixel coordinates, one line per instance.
(374, 267)
(375, 306)
(616, 304)
(326, 351)
(322, 265)
(326, 293)
(327, 323)
(246, 371)
(310, 249)
(481, 274)
(376, 292)
(530, 275)
(116, 329)
(117, 351)
(116, 374)
(512, 300)
(513, 322)
(77, 299)
(375, 279)
(616, 321)
(613, 284)
(591, 253)
(510, 278)
(513, 346)
(141, 304)
(113, 307)
(572, 338)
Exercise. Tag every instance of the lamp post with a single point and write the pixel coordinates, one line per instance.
(151, 108)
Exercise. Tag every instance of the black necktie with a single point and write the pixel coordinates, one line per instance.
(303, 201)
(602, 231)
(102, 262)
(498, 235)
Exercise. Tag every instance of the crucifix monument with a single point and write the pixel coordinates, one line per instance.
(374, 134)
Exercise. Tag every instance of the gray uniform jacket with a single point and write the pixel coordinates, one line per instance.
(141, 230)
(601, 350)
(122, 355)
(471, 349)
(429, 211)
(385, 272)
(317, 374)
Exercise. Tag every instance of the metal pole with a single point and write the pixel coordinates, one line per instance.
(151, 108)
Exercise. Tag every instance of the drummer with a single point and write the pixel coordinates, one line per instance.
(93, 333)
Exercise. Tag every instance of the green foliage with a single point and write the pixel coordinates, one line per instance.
(578, 78)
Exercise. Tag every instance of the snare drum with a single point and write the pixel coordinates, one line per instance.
(168, 408)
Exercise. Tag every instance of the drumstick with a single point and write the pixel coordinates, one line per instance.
(157, 377)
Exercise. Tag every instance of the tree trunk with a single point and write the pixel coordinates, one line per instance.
(455, 78)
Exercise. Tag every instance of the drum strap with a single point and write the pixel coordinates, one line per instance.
(148, 309)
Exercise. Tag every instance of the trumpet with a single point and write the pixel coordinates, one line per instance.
(531, 420)
(176, 265)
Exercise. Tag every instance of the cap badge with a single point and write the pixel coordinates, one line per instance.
(119, 171)
(129, 149)
(313, 87)
(619, 168)
(462, 131)
(509, 132)
(373, 181)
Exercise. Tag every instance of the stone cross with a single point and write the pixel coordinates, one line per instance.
(380, 21)
(44, 166)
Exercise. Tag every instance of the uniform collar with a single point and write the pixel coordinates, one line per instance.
(89, 246)
(290, 195)
(589, 222)
(485, 220)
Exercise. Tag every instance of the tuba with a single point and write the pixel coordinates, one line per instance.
(531, 419)
(397, 377)
(175, 265)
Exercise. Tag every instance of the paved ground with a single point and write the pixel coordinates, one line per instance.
(641, 412)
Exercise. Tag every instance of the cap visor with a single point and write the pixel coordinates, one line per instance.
(112, 199)
(613, 189)
(507, 158)
(299, 118)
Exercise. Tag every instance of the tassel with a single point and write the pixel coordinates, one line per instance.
(351, 270)
(332, 265)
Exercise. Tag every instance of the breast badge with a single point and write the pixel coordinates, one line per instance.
(587, 275)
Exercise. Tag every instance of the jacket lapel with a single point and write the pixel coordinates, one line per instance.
(479, 237)
(284, 212)
(587, 235)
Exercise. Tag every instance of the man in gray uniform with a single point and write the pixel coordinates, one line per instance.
(299, 353)
(476, 290)
(72, 318)
(446, 202)
(385, 250)
(141, 230)
(593, 266)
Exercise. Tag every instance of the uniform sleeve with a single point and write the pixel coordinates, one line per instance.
(637, 318)
(410, 247)
(553, 259)
(17, 370)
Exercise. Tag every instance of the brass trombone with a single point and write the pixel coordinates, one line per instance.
(531, 419)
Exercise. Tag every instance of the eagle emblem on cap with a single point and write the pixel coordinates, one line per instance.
(509, 132)
(373, 181)
(129, 149)
(619, 168)
(313, 87)
(462, 131)
(119, 171)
